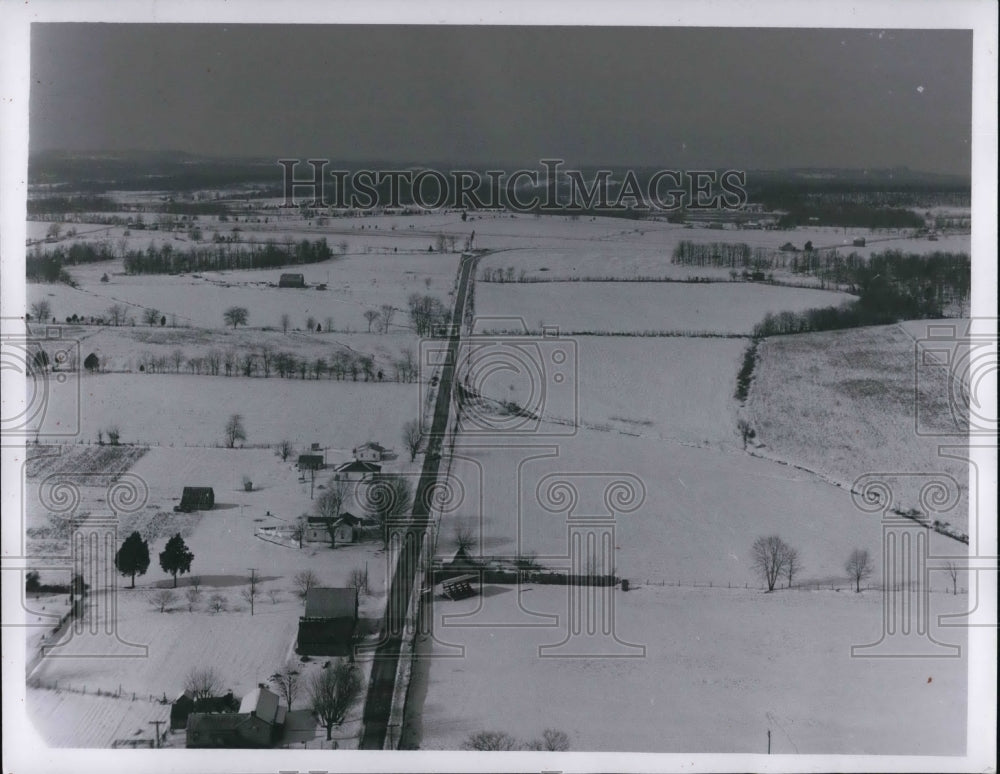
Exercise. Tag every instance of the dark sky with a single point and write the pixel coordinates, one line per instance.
(671, 97)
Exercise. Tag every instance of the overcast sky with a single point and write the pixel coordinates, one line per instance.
(671, 97)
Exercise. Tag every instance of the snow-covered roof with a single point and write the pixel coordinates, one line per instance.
(262, 703)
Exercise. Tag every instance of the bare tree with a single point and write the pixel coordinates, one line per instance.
(333, 692)
(285, 322)
(213, 359)
(202, 683)
(251, 592)
(770, 559)
(287, 680)
(266, 352)
(386, 311)
(491, 741)
(304, 581)
(235, 431)
(177, 357)
(193, 595)
(386, 497)
(465, 540)
(236, 315)
(358, 579)
(371, 316)
(793, 566)
(746, 432)
(114, 434)
(858, 567)
(41, 311)
(552, 740)
(329, 505)
(117, 314)
(952, 569)
(285, 449)
(151, 316)
(161, 599)
(412, 438)
(217, 603)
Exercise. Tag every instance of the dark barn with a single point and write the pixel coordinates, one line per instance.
(197, 498)
(292, 281)
(327, 628)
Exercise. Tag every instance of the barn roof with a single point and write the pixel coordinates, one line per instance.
(331, 603)
(372, 445)
(359, 467)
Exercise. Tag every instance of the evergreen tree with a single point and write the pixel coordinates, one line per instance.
(176, 558)
(133, 557)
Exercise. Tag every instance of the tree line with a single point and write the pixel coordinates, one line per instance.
(266, 361)
(225, 256)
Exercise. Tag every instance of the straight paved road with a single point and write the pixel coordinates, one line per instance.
(383, 677)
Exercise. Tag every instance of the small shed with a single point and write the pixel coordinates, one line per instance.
(327, 628)
(292, 281)
(310, 462)
(459, 587)
(859, 242)
(196, 498)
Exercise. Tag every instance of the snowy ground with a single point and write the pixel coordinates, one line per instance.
(337, 414)
(149, 653)
(731, 308)
(858, 402)
(721, 667)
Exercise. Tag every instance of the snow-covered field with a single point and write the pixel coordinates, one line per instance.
(850, 403)
(356, 284)
(721, 668)
(628, 307)
(182, 409)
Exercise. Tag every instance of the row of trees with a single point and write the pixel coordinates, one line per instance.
(225, 256)
(265, 361)
(133, 557)
(427, 314)
(920, 284)
(774, 559)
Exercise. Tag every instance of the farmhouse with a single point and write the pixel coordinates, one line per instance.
(292, 281)
(344, 529)
(369, 452)
(196, 498)
(258, 723)
(185, 704)
(327, 628)
(358, 471)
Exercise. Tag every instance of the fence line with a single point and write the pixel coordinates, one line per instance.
(807, 586)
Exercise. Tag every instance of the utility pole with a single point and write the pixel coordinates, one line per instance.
(157, 723)
(253, 592)
(769, 741)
